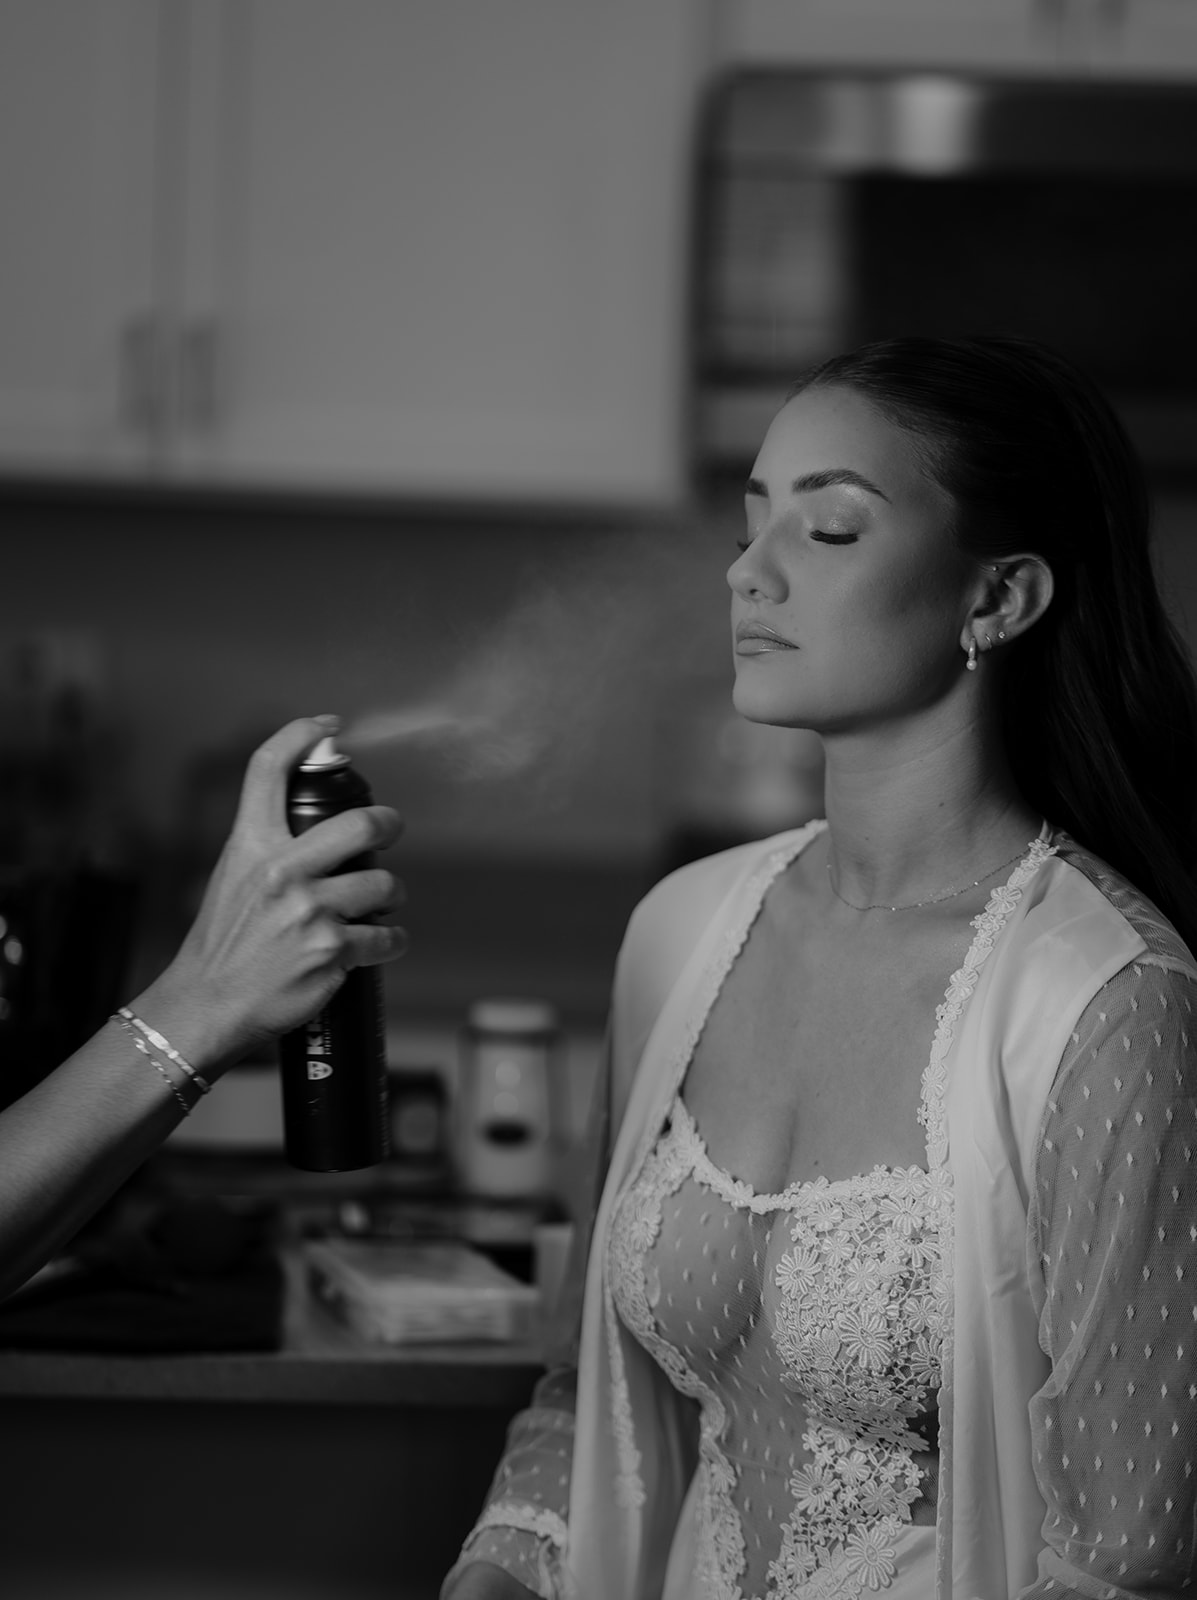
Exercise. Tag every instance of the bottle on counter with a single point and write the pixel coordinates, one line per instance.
(504, 1123)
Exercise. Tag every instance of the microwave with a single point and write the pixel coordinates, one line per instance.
(836, 209)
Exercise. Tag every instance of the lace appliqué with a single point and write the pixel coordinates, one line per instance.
(860, 1330)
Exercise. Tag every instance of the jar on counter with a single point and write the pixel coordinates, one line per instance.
(419, 1105)
(504, 1123)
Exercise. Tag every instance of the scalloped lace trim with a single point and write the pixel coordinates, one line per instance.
(865, 1560)
(743, 1196)
(553, 1582)
(527, 1518)
(933, 1116)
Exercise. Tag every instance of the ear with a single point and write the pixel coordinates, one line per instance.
(1012, 594)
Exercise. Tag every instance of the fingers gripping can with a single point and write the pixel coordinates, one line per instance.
(334, 1077)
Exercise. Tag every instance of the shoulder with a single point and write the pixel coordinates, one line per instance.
(1125, 1088)
(1130, 1046)
(1121, 1115)
(683, 903)
(1122, 899)
(672, 918)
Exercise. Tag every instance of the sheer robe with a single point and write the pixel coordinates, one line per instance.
(804, 1368)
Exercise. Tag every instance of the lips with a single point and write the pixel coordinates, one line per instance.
(754, 639)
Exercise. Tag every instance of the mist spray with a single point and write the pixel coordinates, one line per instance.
(334, 1077)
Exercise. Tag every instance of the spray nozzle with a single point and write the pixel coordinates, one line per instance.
(323, 756)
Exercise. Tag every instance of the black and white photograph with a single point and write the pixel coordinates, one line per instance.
(598, 799)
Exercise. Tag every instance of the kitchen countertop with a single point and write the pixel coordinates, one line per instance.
(320, 1362)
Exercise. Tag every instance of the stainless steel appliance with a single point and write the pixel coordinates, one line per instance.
(837, 209)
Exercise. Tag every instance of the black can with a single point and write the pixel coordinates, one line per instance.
(334, 1072)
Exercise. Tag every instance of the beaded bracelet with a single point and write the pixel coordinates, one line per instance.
(155, 1063)
(166, 1048)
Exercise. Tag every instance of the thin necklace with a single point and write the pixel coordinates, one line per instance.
(950, 894)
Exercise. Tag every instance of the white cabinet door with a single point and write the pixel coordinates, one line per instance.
(980, 35)
(443, 245)
(77, 279)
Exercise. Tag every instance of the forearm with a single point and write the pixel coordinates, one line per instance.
(482, 1580)
(73, 1139)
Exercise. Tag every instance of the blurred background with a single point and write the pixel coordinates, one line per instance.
(365, 357)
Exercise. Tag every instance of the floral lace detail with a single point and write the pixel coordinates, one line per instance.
(857, 1298)
(860, 1330)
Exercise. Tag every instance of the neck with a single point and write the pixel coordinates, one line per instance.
(912, 816)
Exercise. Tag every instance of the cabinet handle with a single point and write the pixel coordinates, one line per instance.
(201, 376)
(143, 376)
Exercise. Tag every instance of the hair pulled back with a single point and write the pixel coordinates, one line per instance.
(1098, 703)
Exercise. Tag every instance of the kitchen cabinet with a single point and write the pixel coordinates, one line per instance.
(428, 249)
(1140, 38)
(1115, 38)
(999, 35)
(78, 271)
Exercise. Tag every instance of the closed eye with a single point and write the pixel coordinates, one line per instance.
(816, 533)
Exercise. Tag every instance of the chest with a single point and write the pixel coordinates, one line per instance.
(811, 1060)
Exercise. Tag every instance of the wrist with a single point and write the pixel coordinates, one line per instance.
(191, 1026)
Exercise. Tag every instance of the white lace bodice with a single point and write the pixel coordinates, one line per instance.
(806, 1326)
(844, 1307)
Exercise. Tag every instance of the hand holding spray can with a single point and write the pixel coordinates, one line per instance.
(334, 1076)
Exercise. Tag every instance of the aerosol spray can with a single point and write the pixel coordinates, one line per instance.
(334, 1077)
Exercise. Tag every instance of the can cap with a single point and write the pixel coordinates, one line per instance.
(513, 1016)
(323, 756)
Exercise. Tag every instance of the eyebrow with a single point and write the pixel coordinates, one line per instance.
(821, 480)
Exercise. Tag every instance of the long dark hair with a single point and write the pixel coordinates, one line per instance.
(1099, 707)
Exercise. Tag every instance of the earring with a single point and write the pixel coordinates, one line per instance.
(971, 663)
(1001, 635)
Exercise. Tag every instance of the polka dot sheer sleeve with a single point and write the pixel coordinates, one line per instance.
(1113, 1246)
(523, 1524)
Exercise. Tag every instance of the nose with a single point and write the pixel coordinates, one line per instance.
(755, 574)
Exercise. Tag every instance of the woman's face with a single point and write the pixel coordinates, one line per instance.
(850, 594)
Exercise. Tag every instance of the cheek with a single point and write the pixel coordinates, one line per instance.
(903, 601)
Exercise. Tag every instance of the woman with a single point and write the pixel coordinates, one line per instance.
(271, 944)
(891, 1286)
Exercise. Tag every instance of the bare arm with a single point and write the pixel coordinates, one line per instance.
(482, 1580)
(271, 944)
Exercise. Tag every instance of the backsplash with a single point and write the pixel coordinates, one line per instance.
(208, 625)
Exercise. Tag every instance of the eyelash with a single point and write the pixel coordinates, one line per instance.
(825, 538)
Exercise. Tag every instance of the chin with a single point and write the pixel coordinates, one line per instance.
(759, 703)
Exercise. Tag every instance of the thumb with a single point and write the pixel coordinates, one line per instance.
(263, 805)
